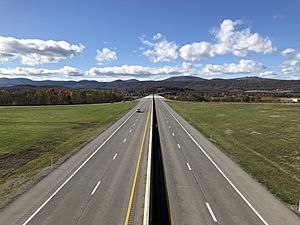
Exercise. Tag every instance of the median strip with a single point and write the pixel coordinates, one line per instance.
(159, 204)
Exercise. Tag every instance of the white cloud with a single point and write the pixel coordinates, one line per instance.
(136, 71)
(106, 55)
(268, 74)
(29, 72)
(278, 17)
(35, 51)
(160, 50)
(197, 51)
(294, 78)
(287, 52)
(292, 65)
(229, 40)
(243, 67)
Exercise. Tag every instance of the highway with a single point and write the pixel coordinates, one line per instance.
(107, 181)
(205, 186)
(96, 185)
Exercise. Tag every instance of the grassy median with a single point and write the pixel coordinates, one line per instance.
(30, 137)
(264, 139)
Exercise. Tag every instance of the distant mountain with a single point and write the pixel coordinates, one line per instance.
(180, 82)
(184, 78)
(6, 82)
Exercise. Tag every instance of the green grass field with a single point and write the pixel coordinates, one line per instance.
(264, 139)
(31, 136)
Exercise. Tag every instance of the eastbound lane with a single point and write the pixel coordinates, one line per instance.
(205, 186)
(99, 188)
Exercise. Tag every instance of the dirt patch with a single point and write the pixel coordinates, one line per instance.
(275, 116)
(83, 126)
(15, 159)
(228, 131)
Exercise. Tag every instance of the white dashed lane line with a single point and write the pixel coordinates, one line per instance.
(173, 134)
(211, 212)
(115, 156)
(178, 146)
(95, 188)
(188, 165)
(124, 140)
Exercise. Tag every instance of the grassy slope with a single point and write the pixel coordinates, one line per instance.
(263, 138)
(30, 136)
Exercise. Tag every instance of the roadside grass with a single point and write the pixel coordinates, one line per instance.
(31, 136)
(264, 139)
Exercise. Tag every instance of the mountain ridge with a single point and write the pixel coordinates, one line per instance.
(179, 82)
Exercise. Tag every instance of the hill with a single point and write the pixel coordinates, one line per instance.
(179, 82)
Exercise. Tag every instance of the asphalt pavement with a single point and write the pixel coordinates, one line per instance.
(95, 185)
(207, 187)
(107, 181)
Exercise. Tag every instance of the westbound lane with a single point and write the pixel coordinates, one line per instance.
(199, 192)
(96, 190)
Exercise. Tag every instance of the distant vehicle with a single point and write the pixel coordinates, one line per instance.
(138, 110)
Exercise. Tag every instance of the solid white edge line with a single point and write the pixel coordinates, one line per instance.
(188, 165)
(222, 173)
(95, 188)
(148, 176)
(211, 212)
(72, 175)
(115, 156)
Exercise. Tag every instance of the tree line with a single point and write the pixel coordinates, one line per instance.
(231, 96)
(57, 96)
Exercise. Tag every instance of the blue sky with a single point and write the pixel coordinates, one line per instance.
(108, 40)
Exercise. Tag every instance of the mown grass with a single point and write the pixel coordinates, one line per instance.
(31, 136)
(263, 138)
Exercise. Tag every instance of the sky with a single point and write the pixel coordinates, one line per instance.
(105, 40)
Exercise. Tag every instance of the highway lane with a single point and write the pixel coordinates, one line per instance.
(205, 186)
(98, 189)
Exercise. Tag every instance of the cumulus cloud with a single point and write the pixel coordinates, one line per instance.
(243, 67)
(106, 55)
(228, 40)
(268, 74)
(292, 63)
(137, 71)
(287, 52)
(29, 72)
(159, 49)
(35, 51)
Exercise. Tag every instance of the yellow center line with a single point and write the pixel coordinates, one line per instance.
(136, 171)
